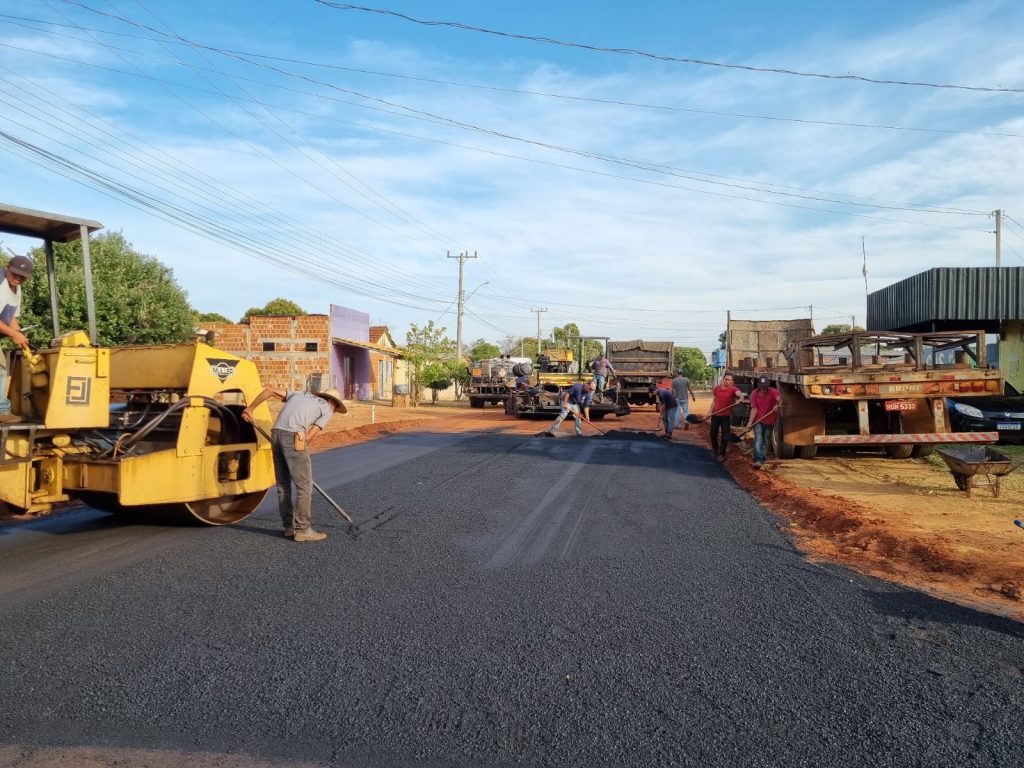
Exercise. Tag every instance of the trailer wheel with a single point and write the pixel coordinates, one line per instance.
(476, 402)
(783, 449)
(920, 451)
(899, 451)
(806, 451)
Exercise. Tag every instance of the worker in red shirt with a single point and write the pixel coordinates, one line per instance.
(764, 412)
(724, 397)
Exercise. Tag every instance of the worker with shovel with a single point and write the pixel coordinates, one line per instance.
(724, 397)
(303, 417)
(667, 406)
(764, 412)
(575, 399)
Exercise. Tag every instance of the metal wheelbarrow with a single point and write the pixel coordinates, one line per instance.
(966, 463)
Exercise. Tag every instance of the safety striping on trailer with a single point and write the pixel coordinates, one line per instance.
(921, 437)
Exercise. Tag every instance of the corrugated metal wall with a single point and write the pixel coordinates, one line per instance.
(962, 296)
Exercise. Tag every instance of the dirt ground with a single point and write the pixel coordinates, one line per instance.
(901, 520)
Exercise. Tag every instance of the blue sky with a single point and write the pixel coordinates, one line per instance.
(336, 156)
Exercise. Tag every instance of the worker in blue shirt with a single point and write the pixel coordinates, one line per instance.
(575, 399)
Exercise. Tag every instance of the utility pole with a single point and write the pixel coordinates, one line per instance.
(999, 235)
(538, 311)
(461, 299)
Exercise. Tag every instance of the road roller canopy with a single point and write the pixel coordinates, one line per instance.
(51, 228)
(45, 226)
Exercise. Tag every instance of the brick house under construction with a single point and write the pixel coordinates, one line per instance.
(314, 352)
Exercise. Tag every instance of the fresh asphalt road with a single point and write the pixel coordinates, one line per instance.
(509, 601)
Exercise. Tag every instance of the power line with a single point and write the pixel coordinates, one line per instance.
(410, 112)
(517, 91)
(648, 55)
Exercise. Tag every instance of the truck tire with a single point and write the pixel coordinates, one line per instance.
(920, 451)
(783, 449)
(899, 451)
(476, 402)
(806, 451)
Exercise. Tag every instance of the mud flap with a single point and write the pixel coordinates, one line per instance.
(802, 419)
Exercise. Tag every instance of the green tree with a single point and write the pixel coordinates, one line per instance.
(423, 346)
(722, 337)
(460, 376)
(211, 317)
(277, 306)
(836, 328)
(693, 364)
(483, 350)
(520, 346)
(136, 297)
(437, 376)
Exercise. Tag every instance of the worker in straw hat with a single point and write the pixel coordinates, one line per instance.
(12, 281)
(303, 417)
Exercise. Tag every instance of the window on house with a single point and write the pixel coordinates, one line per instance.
(312, 346)
(269, 346)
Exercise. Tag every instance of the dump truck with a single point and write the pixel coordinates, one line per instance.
(638, 364)
(861, 388)
(154, 430)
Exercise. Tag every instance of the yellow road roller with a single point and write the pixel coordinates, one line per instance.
(152, 429)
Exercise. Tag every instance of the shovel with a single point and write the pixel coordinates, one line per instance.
(321, 491)
(735, 437)
(692, 418)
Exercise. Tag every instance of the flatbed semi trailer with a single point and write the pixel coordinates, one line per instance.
(883, 389)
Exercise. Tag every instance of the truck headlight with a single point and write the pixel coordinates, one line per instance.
(968, 410)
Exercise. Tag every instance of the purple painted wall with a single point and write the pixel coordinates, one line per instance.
(350, 324)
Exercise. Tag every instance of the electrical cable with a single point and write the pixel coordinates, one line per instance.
(517, 91)
(646, 54)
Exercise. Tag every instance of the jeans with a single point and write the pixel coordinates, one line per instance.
(762, 441)
(566, 410)
(5, 403)
(670, 418)
(682, 411)
(599, 382)
(292, 465)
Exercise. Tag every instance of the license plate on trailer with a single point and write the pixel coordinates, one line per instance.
(901, 405)
(1008, 425)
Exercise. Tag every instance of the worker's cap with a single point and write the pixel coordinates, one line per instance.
(21, 265)
(762, 381)
(335, 397)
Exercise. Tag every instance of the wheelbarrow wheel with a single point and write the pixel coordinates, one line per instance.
(963, 482)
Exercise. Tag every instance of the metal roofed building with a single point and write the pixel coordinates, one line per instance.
(959, 299)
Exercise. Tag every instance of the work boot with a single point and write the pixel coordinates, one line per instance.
(309, 534)
(10, 418)
(289, 532)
